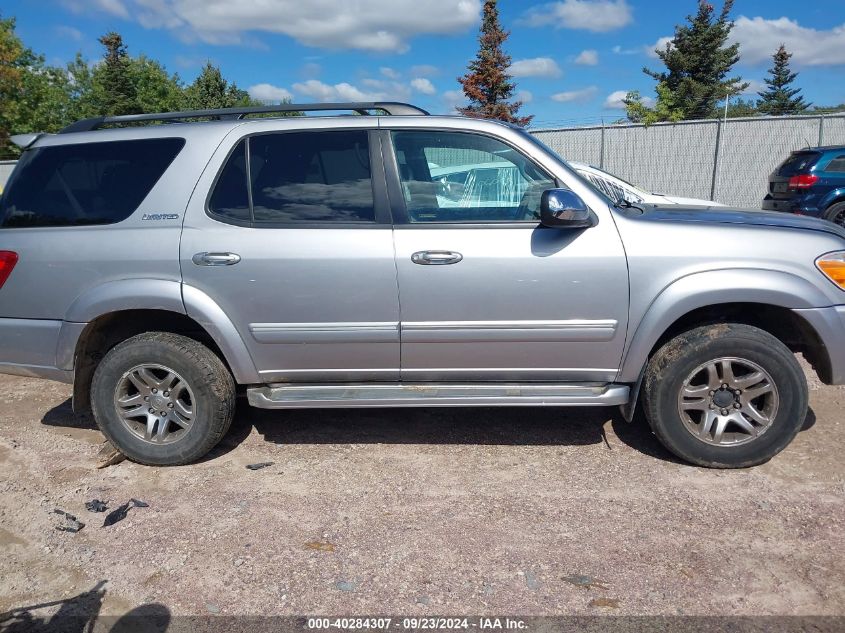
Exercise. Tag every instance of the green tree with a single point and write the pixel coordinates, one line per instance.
(742, 108)
(211, 90)
(488, 85)
(156, 90)
(779, 98)
(114, 91)
(34, 97)
(698, 61)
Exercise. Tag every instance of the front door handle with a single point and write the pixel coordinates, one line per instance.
(436, 258)
(216, 259)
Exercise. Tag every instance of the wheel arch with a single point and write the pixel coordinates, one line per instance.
(765, 299)
(111, 313)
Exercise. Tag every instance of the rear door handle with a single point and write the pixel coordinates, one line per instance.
(436, 258)
(216, 259)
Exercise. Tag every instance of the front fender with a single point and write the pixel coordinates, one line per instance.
(711, 288)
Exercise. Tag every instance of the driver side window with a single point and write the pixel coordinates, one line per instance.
(463, 177)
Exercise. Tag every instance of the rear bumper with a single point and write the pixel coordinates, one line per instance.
(829, 324)
(793, 205)
(28, 347)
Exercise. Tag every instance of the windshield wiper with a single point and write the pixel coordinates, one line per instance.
(624, 203)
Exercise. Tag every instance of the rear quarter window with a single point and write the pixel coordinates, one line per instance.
(837, 165)
(85, 184)
(797, 163)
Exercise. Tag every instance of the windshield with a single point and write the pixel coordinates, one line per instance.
(537, 142)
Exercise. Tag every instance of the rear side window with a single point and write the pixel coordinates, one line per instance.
(231, 197)
(836, 165)
(296, 178)
(78, 185)
(797, 163)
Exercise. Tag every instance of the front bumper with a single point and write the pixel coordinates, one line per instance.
(829, 324)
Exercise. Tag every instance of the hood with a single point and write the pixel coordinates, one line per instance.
(723, 215)
(692, 202)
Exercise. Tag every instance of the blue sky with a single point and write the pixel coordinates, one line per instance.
(573, 59)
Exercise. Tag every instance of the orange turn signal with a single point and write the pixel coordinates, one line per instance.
(833, 267)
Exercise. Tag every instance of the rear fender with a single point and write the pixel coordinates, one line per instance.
(156, 294)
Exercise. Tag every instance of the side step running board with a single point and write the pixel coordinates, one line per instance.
(307, 396)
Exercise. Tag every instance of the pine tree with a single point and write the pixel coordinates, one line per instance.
(114, 89)
(211, 90)
(488, 85)
(698, 61)
(779, 99)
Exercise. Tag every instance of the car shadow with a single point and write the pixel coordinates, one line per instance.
(483, 426)
(81, 613)
(486, 426)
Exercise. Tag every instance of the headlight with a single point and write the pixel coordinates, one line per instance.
(833, 267)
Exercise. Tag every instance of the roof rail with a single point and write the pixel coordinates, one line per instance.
(390, 107)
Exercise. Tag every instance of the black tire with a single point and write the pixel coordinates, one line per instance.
(836, 213)
(674, 364)
(212, 391)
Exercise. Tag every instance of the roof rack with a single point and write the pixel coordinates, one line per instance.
(392, 108)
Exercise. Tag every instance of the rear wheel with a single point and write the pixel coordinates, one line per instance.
(163, 399)
(725, 396)
(836, 213)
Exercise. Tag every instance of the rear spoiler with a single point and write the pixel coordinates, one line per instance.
(26, 140)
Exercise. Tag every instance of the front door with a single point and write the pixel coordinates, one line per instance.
(487, 293)
(294, 243)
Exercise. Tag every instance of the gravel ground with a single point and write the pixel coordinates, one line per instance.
(429, 511)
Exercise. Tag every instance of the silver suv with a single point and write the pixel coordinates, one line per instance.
(371, 261)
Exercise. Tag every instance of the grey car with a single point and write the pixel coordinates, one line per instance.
(165, 263)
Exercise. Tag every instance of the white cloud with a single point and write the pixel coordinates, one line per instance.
(423, 85)
(370, 25)
(424, 70)
(112, 7)
(588, 57)
(659, 45)
(576, 96)
(598, 16)
(390, 73)
(524, 96)
(320, 91)
(760, 38)
(536, 67)
(68, 32)
(269, 93)
(754, 86)
(616, 100)
(453, 99)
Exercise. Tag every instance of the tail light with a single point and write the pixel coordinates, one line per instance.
(8, 259)
(803, 181)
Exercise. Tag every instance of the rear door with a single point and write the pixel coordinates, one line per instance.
(290, 235)
(486, 292)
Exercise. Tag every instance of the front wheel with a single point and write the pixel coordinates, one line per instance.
(162, 399)
(725, 396)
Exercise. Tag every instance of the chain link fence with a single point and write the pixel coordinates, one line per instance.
(727, 161)
(6, 167)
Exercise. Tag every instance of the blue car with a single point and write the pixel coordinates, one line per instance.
(810, 182)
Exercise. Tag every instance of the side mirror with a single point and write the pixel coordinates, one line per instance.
(561, 208)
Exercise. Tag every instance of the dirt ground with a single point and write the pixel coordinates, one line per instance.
(429, 511)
